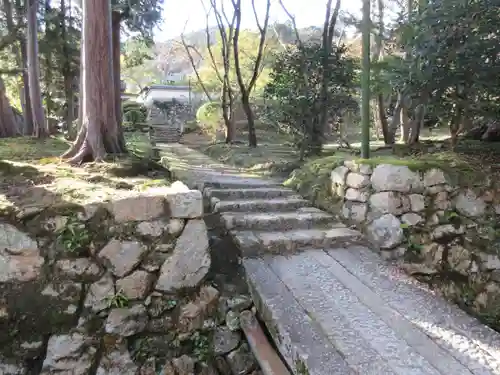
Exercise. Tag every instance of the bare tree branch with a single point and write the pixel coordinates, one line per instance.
(193, 65)
(294, 23)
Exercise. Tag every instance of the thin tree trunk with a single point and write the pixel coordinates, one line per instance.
(328, 31)
(48, 72)
(39, 123)
(405, 125)
(25, 92)
(246, 89)
(99, 132)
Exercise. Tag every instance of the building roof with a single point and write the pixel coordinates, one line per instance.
(164, 87)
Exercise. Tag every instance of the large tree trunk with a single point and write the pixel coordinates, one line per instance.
(116, 18)
(39, 123)
(8, 126)
(115, 26)
(20, 59)
(99, 134)
(67, 73)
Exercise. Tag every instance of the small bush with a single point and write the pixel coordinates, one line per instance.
(208, 117)
(133, 114)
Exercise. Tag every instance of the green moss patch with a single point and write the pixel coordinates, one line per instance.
(461, 170)
(312, 181)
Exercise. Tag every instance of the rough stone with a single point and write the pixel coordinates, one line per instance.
(358, 167)
(338, 175)
(417, 202)
(189, 263)
(433, 253)
(386, 202)
(122, 256)
(136, 285)
(222, 366)
(446, 230)
(117, 362)
(99, 294)
(7, 368)
(193, 314)
(441, 201)
(183, 203)
(468, 204)
(490, 261)
(154, 260)
(80, 269)
(412, 219)
(224, 340)
(127, 321)
(386, 231)
(137, 207)
(434, 177)
(69, 354)
(387, 177)
(489, 298)
(241, 360)
(65, 296)
(239, 303)
(459, 259)
(355, 211)
(357, 180)
(233, 321)
(357, 195)
(89, 210)
(151, 228)
(184, 365)
(431, 190)
(160, 325)
(20, 259)
(55, 224)
(175, 227)
(417, 268)
(207, 369)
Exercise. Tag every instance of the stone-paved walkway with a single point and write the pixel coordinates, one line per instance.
(330, 303)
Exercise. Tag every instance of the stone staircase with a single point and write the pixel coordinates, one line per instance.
(331, 304)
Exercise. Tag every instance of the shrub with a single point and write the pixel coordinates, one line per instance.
(208, 117)
(133, 114)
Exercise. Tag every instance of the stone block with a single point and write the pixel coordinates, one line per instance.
(387, 177)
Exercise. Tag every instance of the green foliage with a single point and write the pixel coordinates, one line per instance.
(134, 113)
(456, 58)
(209, 117)
(201, 346)
(74, 237)
(295, 91)
(117, 300)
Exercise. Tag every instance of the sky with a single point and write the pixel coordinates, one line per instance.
(307, 13)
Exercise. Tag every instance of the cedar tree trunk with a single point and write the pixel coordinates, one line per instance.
(99, 134)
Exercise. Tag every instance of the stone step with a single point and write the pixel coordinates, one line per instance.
(254, 243)
(303, 218)
(250, 193)
(366, 312)
(258, 205)
(240, 183)
(298, 338)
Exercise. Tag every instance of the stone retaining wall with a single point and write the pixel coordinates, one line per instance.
(116, 287)
(447, 233)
